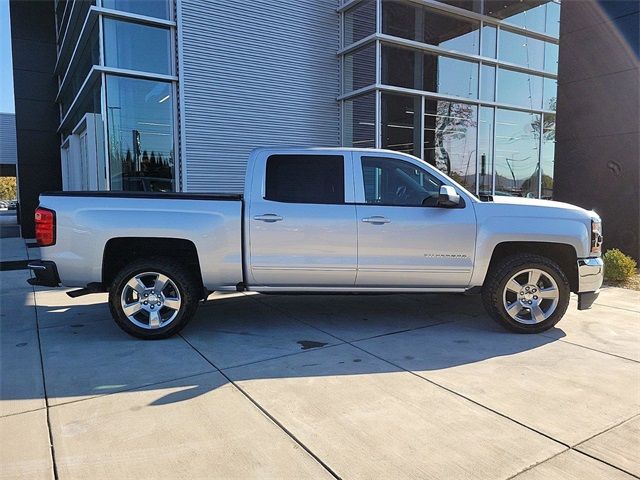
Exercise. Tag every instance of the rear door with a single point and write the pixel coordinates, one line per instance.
(302, 220)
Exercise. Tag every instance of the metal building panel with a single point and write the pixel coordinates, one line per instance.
(260, 73)
(8, 149)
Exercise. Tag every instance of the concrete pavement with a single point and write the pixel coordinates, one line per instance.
(404, 386)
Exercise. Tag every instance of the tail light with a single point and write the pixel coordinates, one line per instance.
(45, 227)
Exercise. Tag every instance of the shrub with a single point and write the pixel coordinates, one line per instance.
(618, 266)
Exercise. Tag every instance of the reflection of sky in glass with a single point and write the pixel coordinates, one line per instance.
(516, 152)
(457, 77)
(489, 41)
(468, 43)
(550, 94)
(551, 57)
(522, 89)
(525, 51)
(150, 8)
(487, 82)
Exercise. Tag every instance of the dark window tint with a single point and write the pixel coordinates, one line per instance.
(388, 181)
(305, 178)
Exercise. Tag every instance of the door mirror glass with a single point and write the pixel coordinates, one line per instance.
(448, 197)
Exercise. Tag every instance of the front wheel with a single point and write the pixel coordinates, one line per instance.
(526, 293)
(153, 298)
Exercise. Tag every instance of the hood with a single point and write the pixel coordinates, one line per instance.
(534, 202)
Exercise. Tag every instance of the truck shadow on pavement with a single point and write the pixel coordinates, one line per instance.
(242, 337)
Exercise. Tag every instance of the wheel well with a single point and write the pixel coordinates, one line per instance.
(118, 252)
(564, 255)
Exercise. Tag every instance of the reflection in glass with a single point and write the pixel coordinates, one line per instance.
(551, 57)
(89, 102)
(140, 126)
(471, 5)
(150, 8)
(450, 131)
(359, 21)
(425, 71)
(414, 22)
(521, 50)
(488, 83)
(547, 154)
(88, 57)
(521, 89)
(489, 40)
(360, 68)
(530, 14)
(550, 94)
(516, 153)
(134, 46)
(485, 151)
(552, 25)
(401, 123)
(359, 121)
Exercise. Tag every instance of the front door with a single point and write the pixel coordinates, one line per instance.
(404, 238)
(302, 231)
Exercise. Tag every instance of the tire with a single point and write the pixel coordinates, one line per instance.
(516, 310)
(166, 311)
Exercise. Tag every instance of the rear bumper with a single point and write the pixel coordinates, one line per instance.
(590, 278)
(45, 274)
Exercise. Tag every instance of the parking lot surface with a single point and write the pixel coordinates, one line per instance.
(316, 386)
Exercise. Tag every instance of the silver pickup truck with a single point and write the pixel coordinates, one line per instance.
(319, 220)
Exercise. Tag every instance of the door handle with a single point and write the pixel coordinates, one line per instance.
(268, 217)
(376, 220)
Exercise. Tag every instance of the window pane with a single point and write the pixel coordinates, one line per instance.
(489, 41)
(360, 68)
(488, 82)
(548, 154)
(471, 5)
(551, 57)
(424, 71)
(389, 181)
(529, 14)
(140, 126)
(150, 8)
(450, 131)
(522, 89)
(521, 50)
(305, 178)
(550, 94)
(407, 20)
(485, 152)
(359, 21)
(87, 103)
(137, 47)
(552, 25)
(516, 153)
(359, 121)
(401, 123)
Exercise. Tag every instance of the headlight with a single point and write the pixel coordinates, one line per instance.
(596, 237)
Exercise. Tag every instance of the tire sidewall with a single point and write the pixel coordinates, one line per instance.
(179, 279)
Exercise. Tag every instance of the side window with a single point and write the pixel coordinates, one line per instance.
(388, 181)
(305, 178)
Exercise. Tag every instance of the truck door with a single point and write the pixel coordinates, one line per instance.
(404, 239)
(302, 221)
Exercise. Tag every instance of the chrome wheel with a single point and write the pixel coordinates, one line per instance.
(150, 300)
(531, 296)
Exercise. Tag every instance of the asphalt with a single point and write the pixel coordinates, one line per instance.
(290, 387)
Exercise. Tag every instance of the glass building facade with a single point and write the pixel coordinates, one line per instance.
(467, 85)
(117, 71)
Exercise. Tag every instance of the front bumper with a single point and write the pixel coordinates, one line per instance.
(590, 278)
(45, 274)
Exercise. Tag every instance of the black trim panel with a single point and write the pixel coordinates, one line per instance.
(46, 275)
(586, 299)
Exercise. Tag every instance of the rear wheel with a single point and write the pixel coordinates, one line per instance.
(526, 293)
(153, 298)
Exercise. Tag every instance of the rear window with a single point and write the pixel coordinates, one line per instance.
(305, 178)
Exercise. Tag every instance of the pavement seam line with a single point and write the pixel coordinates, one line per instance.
(531, 467)
(605, 462)
(617, 308)
(606, 430)
(44, 385)
(267, 414)
(21, 413)
(589, 348)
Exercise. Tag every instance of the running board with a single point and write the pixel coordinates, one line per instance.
(90, 288)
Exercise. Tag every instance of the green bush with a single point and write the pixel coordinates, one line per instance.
(618, 266)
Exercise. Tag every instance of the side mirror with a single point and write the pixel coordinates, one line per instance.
(448, 197)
